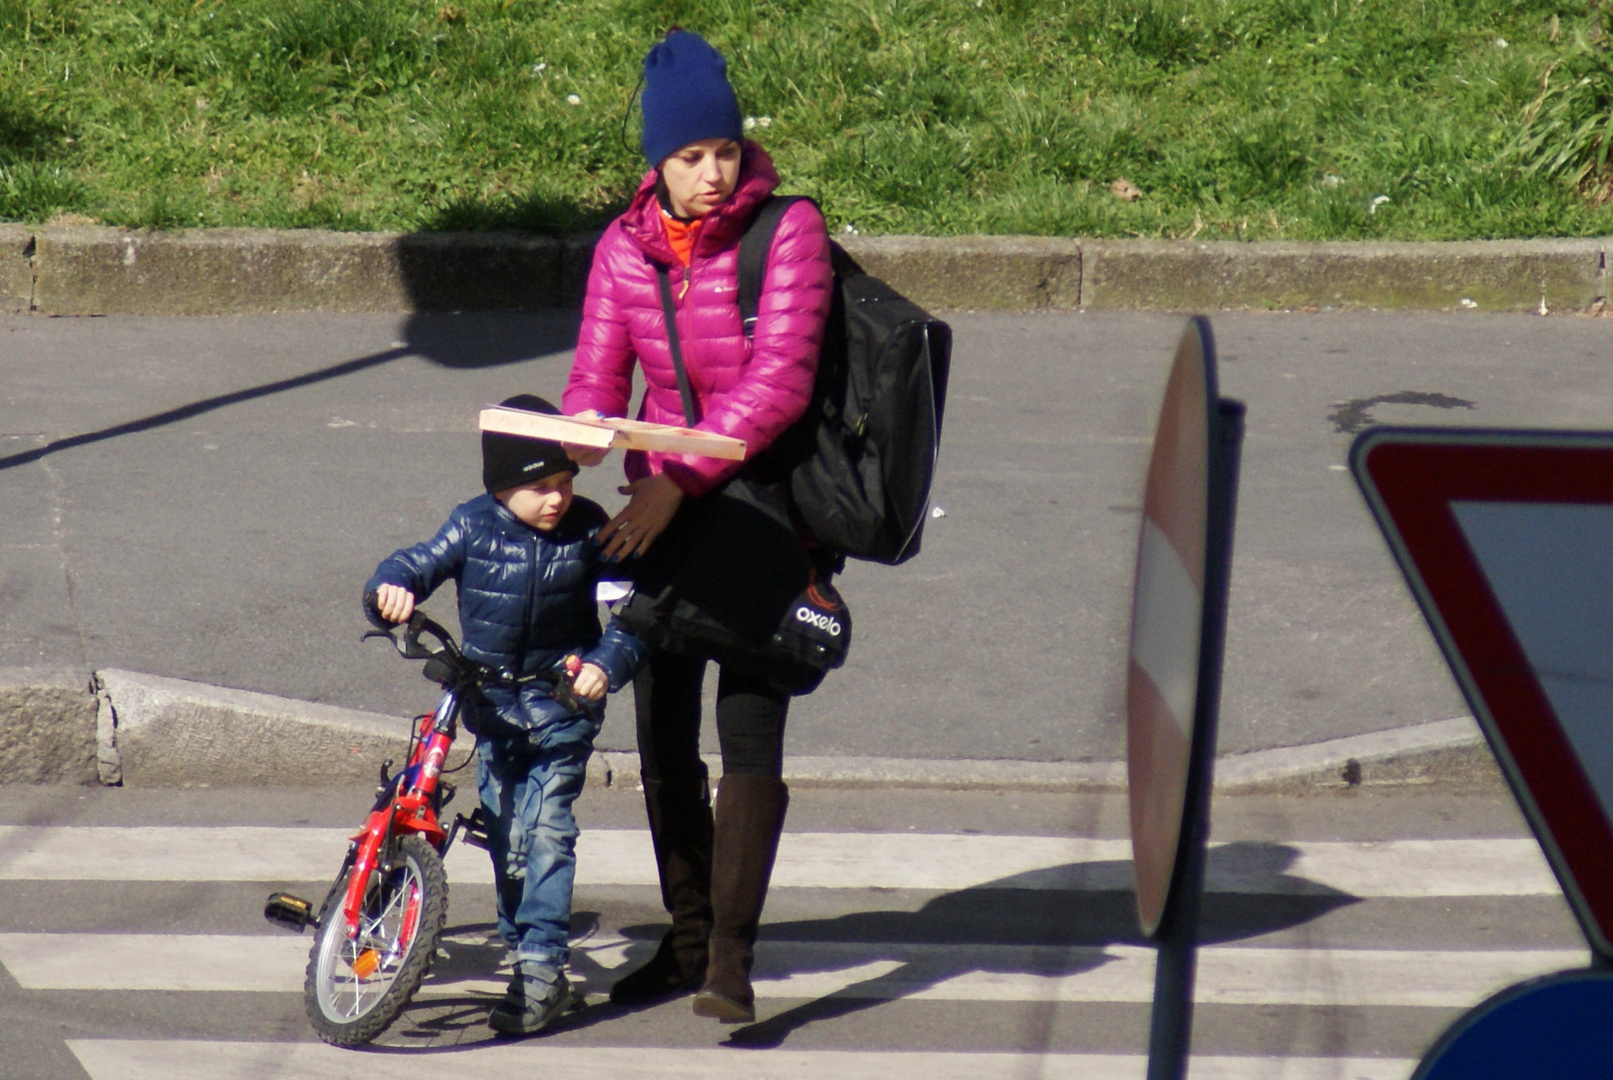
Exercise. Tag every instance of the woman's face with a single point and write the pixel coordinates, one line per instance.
(700, 177)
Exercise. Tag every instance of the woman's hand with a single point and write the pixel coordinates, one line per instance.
(586, 455)
(394, 603)
(651, 504)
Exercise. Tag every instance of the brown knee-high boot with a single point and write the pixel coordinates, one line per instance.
(680, 826)
(749, 818)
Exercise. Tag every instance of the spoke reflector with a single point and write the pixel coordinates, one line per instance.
(366, 963)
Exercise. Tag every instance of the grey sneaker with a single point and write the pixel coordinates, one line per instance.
(531, 1003)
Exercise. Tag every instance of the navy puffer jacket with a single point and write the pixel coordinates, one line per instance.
(526, 601)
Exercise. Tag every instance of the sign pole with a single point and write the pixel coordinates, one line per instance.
(1171, 1026)
(1173, 679)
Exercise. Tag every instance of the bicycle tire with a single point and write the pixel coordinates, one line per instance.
(355, 988)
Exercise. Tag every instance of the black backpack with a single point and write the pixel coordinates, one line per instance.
(861, 459)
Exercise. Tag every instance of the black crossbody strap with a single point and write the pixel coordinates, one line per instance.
(671, 312)
(754, 247)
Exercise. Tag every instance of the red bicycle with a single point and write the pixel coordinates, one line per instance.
(379, 923)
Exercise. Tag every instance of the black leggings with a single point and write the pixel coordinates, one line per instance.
(750, 720)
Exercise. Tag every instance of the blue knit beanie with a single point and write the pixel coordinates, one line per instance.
(686, 96)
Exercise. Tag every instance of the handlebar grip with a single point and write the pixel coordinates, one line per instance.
(373, 613)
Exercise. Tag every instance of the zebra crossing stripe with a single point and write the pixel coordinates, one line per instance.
(110, 1059)
(1228, 975)
(1400, 868)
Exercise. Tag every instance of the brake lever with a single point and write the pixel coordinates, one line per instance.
(410, 648)
(408, 645)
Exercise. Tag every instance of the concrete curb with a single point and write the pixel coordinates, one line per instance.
(1451, 753)
(1448, 752)
(47, 727)
(622, 770)
(16, 269)
(95, 270)
(86, 270)
(175, 733)
(1489, 275)
(161, 732)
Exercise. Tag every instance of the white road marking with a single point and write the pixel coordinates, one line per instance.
(110, 1059)
(1404, 868)
(1125, 973)
(1117, 973)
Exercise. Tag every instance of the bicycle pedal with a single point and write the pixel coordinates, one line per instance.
(473, 828)
(290, 912)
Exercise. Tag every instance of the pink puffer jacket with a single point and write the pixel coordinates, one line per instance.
(750, 388)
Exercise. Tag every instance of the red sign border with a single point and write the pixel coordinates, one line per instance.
(1410, 477)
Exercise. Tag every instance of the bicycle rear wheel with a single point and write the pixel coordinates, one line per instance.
(357, 986)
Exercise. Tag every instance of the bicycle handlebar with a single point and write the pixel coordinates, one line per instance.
(409, 646)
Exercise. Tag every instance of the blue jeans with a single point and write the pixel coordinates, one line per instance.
(526, 796)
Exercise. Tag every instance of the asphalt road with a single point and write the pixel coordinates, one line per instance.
(908, 934)
(229, 483)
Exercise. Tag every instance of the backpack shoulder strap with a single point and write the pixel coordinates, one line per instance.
(754, 247)
(674, 346)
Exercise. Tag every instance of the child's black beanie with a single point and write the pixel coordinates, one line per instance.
(512, 460)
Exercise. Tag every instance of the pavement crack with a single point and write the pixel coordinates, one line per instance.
(58, 529)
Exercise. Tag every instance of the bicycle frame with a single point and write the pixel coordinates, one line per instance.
(407, 802)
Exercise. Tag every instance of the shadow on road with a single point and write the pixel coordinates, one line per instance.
(1007, 913)
(461, 342)
(1034, 923)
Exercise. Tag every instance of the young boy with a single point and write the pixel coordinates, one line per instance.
(526, 562)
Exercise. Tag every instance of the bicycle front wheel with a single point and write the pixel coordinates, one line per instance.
(356, 986)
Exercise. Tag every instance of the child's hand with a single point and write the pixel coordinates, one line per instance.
(394, 603)
(590, 683)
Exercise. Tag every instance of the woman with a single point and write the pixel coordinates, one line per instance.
(686, 221)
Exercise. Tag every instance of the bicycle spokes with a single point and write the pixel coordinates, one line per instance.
(365, 965)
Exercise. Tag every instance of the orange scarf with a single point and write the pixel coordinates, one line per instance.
(681, 235)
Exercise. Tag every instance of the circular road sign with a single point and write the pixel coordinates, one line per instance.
(1167, 620)
(1552, 1028)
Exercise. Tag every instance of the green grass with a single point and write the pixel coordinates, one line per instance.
(1253, 119)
